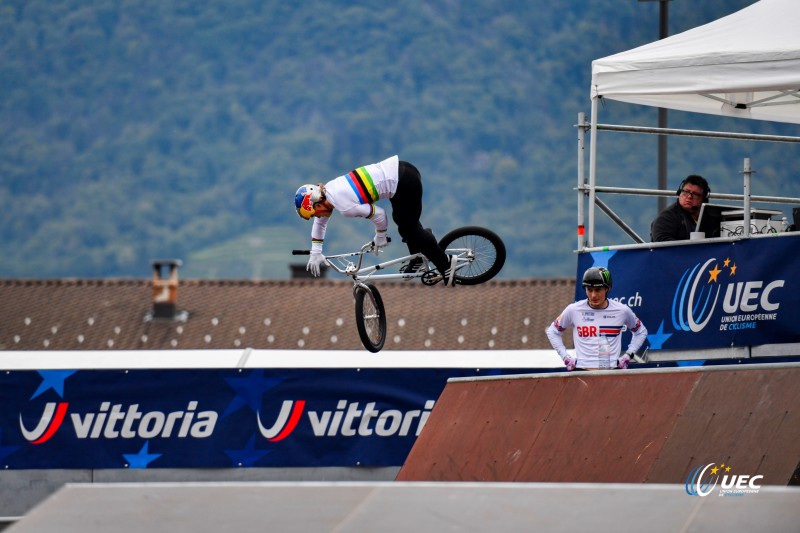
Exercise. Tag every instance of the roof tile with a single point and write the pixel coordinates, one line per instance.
(102, 314)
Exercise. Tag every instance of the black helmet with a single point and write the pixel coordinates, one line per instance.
(597, 277)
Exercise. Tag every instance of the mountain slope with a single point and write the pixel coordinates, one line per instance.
(135, 130)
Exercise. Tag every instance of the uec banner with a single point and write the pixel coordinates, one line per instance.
(710, 295)
(216, 418)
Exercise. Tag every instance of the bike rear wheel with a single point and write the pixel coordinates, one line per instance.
(370, 317)
(485, 251)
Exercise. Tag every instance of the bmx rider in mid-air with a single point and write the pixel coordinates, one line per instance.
(356, 194)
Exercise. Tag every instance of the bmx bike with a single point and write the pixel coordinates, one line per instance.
(480, 255)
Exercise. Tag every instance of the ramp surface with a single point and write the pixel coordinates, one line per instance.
(418, 507)
(636, 426)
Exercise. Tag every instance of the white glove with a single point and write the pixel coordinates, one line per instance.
(624, 359)
(570, 363)
(315, 261)
(379, 241)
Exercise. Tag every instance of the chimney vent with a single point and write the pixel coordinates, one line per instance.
(165, 289)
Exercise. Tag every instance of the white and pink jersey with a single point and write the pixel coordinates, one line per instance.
(597, 333)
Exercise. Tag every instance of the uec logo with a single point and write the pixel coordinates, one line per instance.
(696, 297)
(730, 485)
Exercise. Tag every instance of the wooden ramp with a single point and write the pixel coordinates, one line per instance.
(636, 426)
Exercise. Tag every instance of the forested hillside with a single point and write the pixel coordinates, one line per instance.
(133, 130)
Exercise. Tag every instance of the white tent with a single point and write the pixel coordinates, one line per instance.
(744, 65)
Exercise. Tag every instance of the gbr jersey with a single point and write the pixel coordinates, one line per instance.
(597, 333)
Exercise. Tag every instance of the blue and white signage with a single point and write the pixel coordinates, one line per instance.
(710, 295)
(211, 418)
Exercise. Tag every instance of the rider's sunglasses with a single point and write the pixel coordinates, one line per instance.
(686, 192)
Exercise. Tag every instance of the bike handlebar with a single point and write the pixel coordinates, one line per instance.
(308, 252)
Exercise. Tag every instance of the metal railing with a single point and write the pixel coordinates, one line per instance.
(589, 190)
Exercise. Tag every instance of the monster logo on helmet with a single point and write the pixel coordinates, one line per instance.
(597, 277)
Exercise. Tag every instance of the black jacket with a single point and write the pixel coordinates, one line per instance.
(672, 224)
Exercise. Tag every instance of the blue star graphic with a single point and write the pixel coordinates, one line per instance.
(658, 338)
(141, 459)
(53, 379)
(601, 259)
(5, 451)
(249, 391)
(247, 456)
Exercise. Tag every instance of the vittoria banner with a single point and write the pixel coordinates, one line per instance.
(708, 295)
(216, 418)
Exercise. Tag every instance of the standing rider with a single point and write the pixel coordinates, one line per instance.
(598, 324)
(355, 195)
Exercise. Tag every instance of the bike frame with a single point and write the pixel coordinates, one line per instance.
(347, 265)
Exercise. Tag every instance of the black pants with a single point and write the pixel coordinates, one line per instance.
(406, 212)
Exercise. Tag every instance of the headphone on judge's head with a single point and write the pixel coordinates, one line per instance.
(690, 179)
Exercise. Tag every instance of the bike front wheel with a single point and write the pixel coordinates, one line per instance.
(370, 317)
(483, 249)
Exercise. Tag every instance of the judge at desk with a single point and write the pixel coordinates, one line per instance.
(676, 222)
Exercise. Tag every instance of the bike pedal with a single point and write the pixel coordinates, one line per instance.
(431, 277)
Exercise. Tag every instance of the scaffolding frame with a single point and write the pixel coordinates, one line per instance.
(588, 189)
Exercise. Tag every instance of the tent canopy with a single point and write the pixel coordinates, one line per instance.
(744, 65)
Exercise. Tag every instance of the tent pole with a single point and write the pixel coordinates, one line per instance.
(592, 172)
(663, 33)
(581, 179)
(747, 175)
(662, 158)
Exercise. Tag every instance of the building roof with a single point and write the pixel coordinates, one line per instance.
(103, 314)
